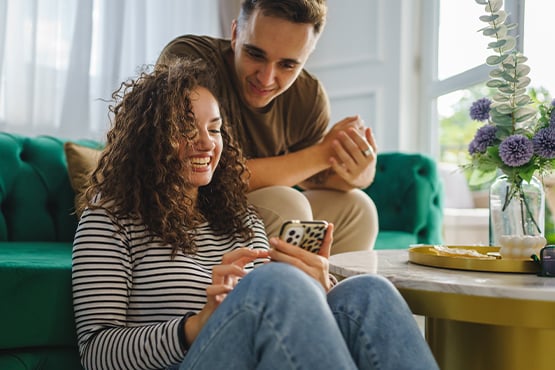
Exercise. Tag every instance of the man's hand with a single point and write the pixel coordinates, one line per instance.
(351, 151)
(355, 156)
(345, 159)
(333, 134)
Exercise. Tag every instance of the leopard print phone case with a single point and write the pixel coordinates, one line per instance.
(308, 235)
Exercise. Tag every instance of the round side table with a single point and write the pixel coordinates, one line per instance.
(473, 320)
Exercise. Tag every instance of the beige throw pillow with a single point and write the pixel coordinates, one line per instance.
(81, 162)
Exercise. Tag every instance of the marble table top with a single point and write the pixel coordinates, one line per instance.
(395, 266)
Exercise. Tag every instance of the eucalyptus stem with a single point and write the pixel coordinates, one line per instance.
(522, 215)
(510, 192)
(523, 200)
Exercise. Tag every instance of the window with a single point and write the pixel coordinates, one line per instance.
(460, 76)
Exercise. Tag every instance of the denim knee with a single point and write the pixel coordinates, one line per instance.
(357, 293)
(279, 274)
(283, 282)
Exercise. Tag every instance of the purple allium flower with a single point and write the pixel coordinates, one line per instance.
(516, 150)
(552, 116)
(485, 136)
(479, 110)
(544, 142)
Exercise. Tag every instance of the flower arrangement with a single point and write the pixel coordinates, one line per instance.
(518, 135)
(517, 138)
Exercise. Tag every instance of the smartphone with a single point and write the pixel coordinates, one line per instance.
(308, 235)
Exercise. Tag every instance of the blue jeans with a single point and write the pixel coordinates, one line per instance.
(279, 318)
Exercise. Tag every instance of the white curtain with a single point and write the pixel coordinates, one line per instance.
(60, 60)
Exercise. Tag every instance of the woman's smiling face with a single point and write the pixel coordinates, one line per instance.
(204, 150)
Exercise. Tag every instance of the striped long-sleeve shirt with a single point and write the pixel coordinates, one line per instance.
(130, 297)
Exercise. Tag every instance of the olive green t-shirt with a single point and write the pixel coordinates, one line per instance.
(296, 119)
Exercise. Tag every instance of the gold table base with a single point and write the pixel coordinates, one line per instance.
(490, 333)
(459, 345)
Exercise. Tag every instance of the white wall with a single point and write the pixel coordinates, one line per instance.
(365, 60)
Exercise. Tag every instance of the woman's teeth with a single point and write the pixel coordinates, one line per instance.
(200, 162)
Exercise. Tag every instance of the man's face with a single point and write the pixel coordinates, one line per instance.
(269, 55)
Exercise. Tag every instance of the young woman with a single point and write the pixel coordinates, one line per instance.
(164, 249)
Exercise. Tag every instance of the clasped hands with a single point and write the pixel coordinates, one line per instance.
(352, 151)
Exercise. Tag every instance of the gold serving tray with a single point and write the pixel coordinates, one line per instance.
(423, 255)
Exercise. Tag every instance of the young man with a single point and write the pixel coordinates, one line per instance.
(280, 116)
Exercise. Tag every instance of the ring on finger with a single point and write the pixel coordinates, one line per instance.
(368, 151)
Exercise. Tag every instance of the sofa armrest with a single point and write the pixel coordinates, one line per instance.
(408, 195)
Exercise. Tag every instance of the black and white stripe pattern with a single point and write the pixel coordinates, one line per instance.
(130, 297)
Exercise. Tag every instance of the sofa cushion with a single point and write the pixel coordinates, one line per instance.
(81, 162)
(35, 295)
(36, 200)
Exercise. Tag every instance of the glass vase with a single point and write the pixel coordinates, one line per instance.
(516, 209)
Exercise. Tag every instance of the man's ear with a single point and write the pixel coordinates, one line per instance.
(233, 34)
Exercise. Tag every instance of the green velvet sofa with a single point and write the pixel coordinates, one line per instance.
(408, 194)
(37, 225)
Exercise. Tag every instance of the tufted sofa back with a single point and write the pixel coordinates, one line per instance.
(36, 199)
(408, 196)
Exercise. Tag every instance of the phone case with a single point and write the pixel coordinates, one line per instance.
(308, 235)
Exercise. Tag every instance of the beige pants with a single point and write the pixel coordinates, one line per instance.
(353, 213)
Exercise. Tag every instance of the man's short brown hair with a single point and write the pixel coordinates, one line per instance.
(296, 11)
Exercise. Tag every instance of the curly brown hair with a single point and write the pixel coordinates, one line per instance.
(140, 173)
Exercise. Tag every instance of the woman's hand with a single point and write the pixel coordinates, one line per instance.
(225, 277)
(315, 265)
